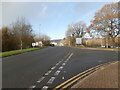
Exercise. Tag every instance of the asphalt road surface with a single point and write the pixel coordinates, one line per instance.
(49, 67)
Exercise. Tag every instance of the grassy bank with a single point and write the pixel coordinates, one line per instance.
(9, 53)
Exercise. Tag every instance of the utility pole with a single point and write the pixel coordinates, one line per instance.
(21, 43)
(39, 31)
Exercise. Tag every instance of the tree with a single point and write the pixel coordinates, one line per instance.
(106, 21)
(76, 29)
(23, 30)
(17, 36)
(9, 41)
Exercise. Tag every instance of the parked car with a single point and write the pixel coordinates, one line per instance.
(52, 45)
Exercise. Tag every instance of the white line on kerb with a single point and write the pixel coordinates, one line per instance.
(40, 79)
(57, 73)
(44, 88)
(51, 80)
(48, 72)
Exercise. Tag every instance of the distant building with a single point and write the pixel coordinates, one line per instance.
(56, 42)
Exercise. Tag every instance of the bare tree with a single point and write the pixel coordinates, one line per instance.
(106, 21)
(76, 29)
(23, 30)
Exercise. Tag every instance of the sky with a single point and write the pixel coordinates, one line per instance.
(51, 18)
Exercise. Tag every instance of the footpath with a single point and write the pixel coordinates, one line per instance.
(103, 78)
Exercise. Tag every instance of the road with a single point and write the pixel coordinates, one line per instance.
(49, 67)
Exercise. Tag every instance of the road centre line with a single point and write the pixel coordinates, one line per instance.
(57, 72)
(70, 56)
(48, 72)
(66, 61)
(45, 88)
(53, 67)
(51, 80)
(31, 87)
(60, 67)
(63, 64)
(67, 55)
(40, 79)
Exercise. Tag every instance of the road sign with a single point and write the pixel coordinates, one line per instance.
(78, 40)
(33, 44)
(36, 44)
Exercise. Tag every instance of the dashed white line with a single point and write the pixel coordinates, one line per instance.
(32, 87)
(44, 88)
(63, 63)
(57, 73)
(48, 72)
(51, 80)
(60, 67)
(53, 67)
(57, 64)
(40, 79)
(67, 59)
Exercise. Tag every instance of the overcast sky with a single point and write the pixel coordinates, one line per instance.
(53, 17)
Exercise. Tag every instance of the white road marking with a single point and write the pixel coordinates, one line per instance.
(44, 88)
(32, 86)
(60, 67)
(57, 64)
(57, 73)
(51, 80)
(48, 72)
(40, 79)
(69, 57)
(53, 67)
(59, 61)
(63, 63)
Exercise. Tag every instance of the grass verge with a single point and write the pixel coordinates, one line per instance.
(9, 53)
(101, 48)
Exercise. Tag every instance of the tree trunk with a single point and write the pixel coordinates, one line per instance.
(113, 41)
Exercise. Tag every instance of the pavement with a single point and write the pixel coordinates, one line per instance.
(49, 67)
(103, 78)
